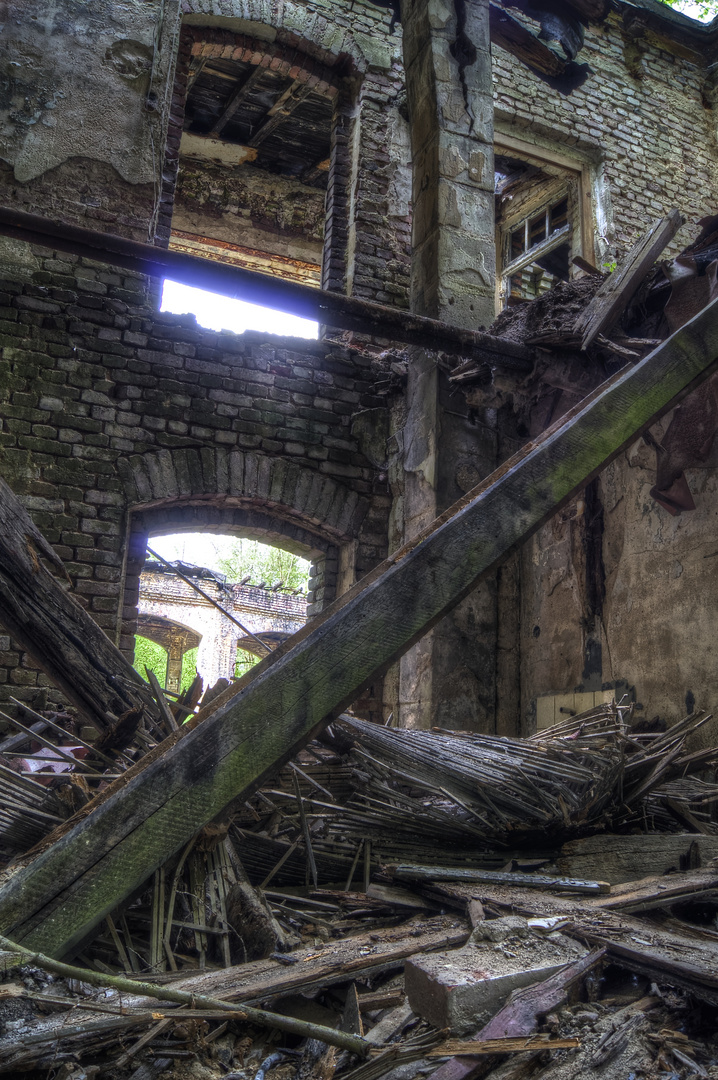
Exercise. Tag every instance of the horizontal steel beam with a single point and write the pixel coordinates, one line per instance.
(329, 308)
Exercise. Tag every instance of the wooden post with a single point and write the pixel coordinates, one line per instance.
(56, 900)
(447, 58)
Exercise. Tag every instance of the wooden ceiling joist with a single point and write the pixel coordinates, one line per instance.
(236, 100)
(283, 108)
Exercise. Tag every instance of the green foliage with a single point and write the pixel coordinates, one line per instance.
(697, 9)
(264, 563)
(150, 654)
(245, 661)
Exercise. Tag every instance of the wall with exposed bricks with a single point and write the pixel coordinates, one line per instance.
(119, 421)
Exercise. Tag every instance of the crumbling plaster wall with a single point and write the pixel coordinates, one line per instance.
(643, 123)
(661, 585)
(252, 208)
(84, 103)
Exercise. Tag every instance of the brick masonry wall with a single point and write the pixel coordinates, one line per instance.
(380, 233)
(641, 116)
(84, 192)
(109, 406)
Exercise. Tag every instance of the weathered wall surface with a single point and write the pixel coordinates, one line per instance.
(655, 631)
(83, 96)
(641, 119)
(109, 407)
(250, 207)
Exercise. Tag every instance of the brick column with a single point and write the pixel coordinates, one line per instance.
(175, 646)
(449, 677)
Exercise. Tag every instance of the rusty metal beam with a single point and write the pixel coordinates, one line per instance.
(331, 309)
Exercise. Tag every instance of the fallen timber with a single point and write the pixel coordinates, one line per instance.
(332, 309)
(346, 1041)
(56, 900)
(49, 623)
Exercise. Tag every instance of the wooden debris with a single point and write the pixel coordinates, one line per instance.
(620, 858)
(619, 287)
(344, 1040)
(531, 881)
(62, 638)
(472, 1048)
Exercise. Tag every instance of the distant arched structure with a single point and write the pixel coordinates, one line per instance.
(175, 613)
(175, 638)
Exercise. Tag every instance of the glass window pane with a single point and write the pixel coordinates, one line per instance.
(537, 229)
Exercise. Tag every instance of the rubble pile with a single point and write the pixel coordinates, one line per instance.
(460, 905)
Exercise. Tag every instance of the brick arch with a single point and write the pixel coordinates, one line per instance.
(243, 494)
(322, 505)
(293, 24)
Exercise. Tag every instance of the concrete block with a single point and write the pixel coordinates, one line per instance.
(462, 989)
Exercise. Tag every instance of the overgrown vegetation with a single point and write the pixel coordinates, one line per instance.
(148, 654)
(697, 9)
(237, 559)
(263, 563)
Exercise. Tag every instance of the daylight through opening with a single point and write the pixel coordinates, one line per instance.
(210, 606)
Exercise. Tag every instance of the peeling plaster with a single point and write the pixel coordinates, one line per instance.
(72, 73)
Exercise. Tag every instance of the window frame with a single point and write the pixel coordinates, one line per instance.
(578, 177)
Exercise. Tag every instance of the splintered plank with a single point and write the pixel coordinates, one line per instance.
(53, 902)
(530, 881)
(49, 623)
(618, 288)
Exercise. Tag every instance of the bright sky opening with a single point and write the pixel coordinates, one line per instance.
(205, 549)
(701, 11)
(221, 313)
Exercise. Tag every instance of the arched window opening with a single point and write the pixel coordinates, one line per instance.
(212, 605)
(254, 165)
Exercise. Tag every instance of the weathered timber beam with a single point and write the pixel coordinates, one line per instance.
(53, 902)
(58, 633)
(516, 39)
(282, 109)
(615, 292)
(236, 99)
(355, 1044)
(332, 309)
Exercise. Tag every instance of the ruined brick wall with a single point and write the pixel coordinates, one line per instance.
(643, 125)
(119, 421)
(641, 120)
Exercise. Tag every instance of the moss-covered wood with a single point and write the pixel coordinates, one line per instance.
(53, 902)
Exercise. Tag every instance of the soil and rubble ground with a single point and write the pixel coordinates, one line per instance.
(407, 869)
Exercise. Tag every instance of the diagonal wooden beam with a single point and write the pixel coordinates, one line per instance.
(58, 899)
(618, 288)
(195, 70)
(62, 638)
(236, 100)
(282, 109)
